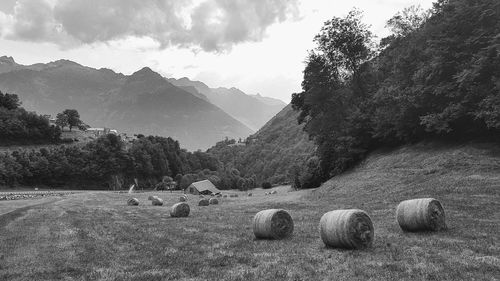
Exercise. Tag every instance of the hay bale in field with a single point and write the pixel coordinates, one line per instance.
(272, 224)
(213, 201)
(421, 214)
(274, 192)
(267, 193)
(133, 202)
(204, 202)
(151, 197)
(183, 198)
(249, 194)
(157, 201)
(350, 229)
(180, 210)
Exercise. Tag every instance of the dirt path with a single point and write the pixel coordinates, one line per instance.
(13, 211)
(11, 206)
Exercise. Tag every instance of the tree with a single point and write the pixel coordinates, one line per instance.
(9, 101)
(73, 118)
(334, 92)
(408, 20)
(62, 120)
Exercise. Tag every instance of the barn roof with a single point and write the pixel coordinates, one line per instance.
(205, 185)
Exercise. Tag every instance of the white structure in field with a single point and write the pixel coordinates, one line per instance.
(204, 187)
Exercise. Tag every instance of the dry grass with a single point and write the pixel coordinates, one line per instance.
(96, 236)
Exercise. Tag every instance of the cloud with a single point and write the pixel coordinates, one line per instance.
(210, 25)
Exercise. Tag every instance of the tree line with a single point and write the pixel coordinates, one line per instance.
(436, 76)
(110, 163)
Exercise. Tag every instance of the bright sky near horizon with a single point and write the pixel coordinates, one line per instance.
(258, 46)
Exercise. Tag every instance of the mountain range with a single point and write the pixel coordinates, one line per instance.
(144, 102)
(252, 110)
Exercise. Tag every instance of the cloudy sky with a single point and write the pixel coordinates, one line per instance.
(258, 46)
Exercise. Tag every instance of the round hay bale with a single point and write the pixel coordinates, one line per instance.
(133, 202)
(420, 215)
(350, 229)
(249, 194)
(157, 201)
(213, 201)
(151, 197)
(183, 198)
(272, 224)
(180, 210)
(204, 202)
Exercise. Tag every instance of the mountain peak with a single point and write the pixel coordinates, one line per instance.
(7, 60)
(63, 62)
(146, 72)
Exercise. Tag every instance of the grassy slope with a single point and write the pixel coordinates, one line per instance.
(95, 236)
(74, 134)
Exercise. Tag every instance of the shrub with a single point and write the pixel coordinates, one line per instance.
(266, 185)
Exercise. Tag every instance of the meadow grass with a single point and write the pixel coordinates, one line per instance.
(96, 236)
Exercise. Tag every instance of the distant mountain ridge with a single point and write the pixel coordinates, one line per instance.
(252, 110)
(144, 102)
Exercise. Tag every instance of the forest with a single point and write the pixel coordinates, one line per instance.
(279, 153)
(436, 77)
(107, 163)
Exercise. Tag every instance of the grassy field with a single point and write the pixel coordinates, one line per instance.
(96, 236)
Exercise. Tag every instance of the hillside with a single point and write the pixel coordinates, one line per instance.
(252, 110)
(427, 169)
(143, 102)
(271, 152)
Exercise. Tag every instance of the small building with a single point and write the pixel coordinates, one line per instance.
(52, 121)
(204, 187)
(100, 131)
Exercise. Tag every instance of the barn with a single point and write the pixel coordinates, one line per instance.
(204, 187)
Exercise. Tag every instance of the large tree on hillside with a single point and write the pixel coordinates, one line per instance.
(61, 120)
(333, 94)
(69, 117)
